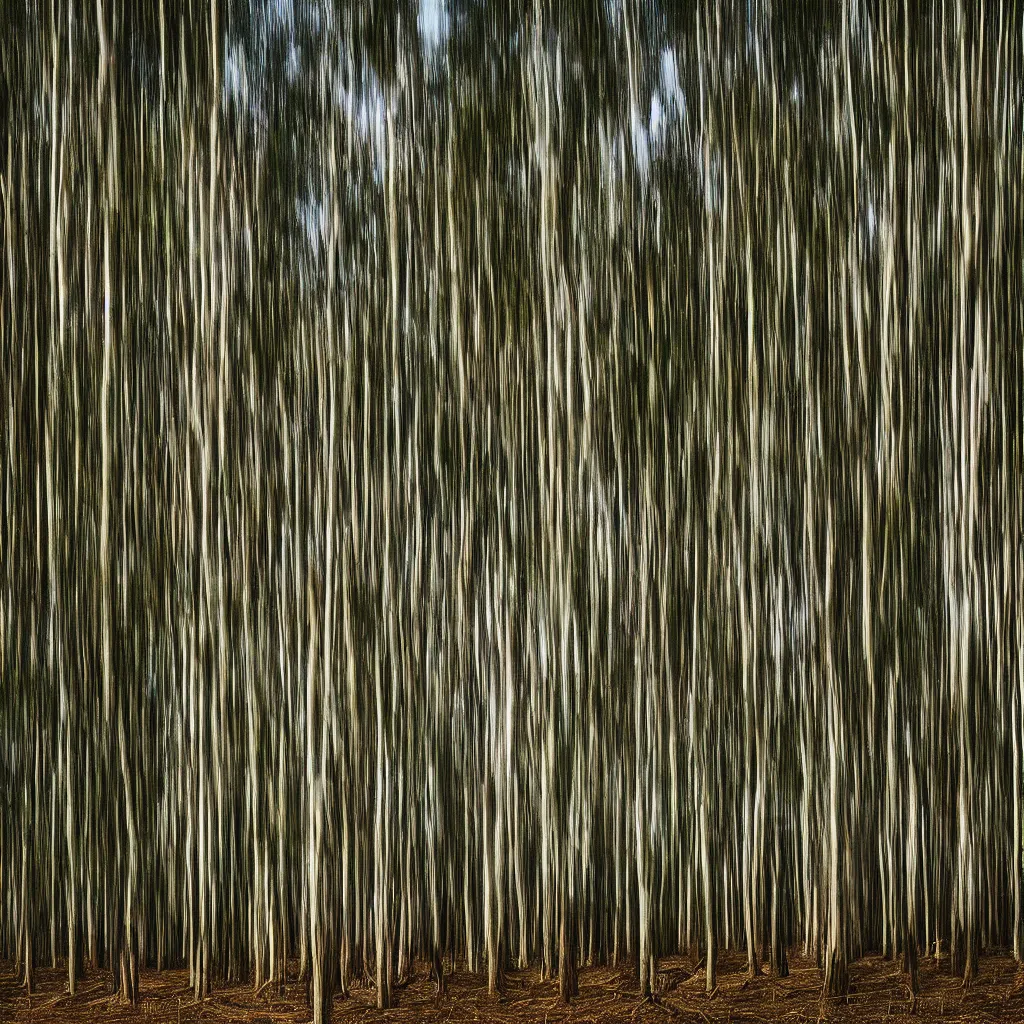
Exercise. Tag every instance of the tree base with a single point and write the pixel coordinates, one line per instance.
(837, 976)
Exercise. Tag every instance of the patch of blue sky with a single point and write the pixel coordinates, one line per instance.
(313, 216)
(671, 90)
(291, 68)
(281, 11)
(433, 25)
(641, 142)
(236, 74)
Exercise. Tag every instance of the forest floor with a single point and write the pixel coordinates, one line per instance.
(878, 993)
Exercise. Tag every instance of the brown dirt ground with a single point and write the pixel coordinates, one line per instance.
(878, 993)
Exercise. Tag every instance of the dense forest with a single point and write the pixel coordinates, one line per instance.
(509, 483)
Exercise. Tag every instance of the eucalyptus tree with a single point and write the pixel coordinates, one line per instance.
(539, 487)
